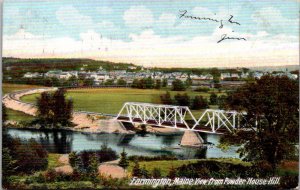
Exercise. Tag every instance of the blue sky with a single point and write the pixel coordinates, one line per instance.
(136, 21)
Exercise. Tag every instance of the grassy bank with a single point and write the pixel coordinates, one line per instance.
(18, 116)
(166, 165)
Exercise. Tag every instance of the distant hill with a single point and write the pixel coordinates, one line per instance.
(276, 68)
(40, 65)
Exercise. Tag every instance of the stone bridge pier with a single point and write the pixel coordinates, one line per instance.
(191, 138)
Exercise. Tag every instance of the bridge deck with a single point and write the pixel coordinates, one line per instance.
(200, 128)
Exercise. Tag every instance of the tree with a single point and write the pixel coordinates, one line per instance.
(188, 81)
(213, 99)
(73, 81)
(54, 108)
(216, 75)
(222, 101)
(73, 159)
(172, 173)
(93, 169)
(166, 98)
(124, 160)
(149, 83)
(178, 85)
(135, 83)
(121, 82)
(157, 84)
(136, 171)
(88, 82)
(4, 114)
(144, 172)
(271, 104)
(164, 83)
(109, 82)
(8, 164)
(182, 100)
(156, 173)
(199, 103)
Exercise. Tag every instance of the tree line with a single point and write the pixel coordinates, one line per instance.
(198, 102)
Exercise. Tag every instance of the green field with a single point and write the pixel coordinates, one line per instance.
(16, 115)
(110, 100)
(7, 87)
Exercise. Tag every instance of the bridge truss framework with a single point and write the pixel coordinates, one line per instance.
(170, 116)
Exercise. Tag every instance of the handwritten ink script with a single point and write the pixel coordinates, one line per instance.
(230, 20)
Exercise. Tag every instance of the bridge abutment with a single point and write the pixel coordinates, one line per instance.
(191, 138)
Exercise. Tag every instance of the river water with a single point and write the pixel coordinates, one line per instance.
(134, 144)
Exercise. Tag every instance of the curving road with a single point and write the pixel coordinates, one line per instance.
(83, 120)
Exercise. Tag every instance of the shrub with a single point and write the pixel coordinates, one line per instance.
(202, 89)
(50, 175)
(156, 173)
(29, 156)
(213, 99)
(166, 98)
(151, 158)
(199, 103)
(215, 169)
(178, 85)
(289, 181)
(136, 171)
(262, 168)
(182, 99)
(73, 158)
(82, 160)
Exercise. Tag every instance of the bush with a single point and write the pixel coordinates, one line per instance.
(156, 173)
(50, 175)
(151, 158)
(182, 99)
(262, 168)
(82, 159)
(202, 89)
(29, 156)
(178, 85)
(215, 169)
(166, 98)
(199, 103)
(289, 181)
(213, 99)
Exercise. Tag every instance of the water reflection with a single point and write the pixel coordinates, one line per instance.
(134, 144)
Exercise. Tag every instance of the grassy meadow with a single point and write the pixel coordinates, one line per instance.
(12, 114)
(7, 87)
(110, 100)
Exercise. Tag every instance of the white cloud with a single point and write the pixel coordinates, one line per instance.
(138, 17)
(166, 20)
(104, 10)
(271, 19)
(150, 49)
(107, 26)
(69, 16)
(11, 12)
(202, 12)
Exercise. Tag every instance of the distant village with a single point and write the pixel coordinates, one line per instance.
(101, 76)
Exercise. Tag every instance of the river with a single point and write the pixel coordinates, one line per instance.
(134, 144)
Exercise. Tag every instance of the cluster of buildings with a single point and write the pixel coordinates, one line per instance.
(101, 76)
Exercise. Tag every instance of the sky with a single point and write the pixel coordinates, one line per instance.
(155, 33)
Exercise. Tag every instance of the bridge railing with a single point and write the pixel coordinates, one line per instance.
(211, 120)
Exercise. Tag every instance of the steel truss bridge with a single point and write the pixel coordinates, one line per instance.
(180, 117)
